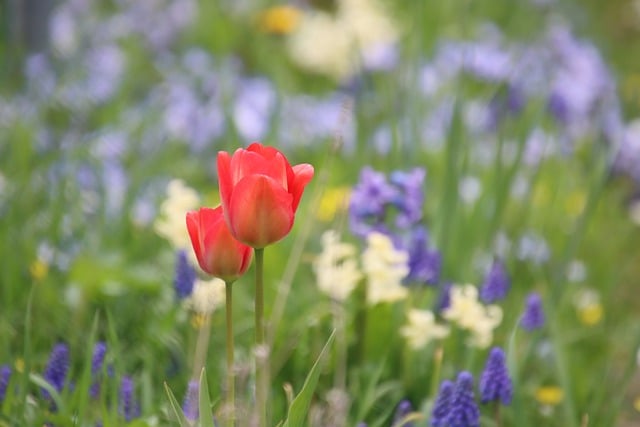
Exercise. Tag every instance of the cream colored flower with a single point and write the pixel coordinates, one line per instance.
(469, 314)
(384, 267)
(336, 271)
(207, 296)
(171, 224)
(336, 44)
(422, 329)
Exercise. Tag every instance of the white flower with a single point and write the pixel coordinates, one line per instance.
(171, 224)
(337, 45)
(384, 267)
(422, 329)
(207, 296)
(336, 270)
(324, 45)
(468, 313)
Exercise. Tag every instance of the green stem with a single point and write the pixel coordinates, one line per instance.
(231, 393)
(201, 346)
(261, 353)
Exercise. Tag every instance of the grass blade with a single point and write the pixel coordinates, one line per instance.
(177, 409)
(300, 405)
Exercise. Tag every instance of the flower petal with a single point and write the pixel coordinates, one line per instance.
(261, 211)
(193, 226)
(303, 173)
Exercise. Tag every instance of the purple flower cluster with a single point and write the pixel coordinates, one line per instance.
(128, 406)
(496, 283)
(495, 382)
(533, 317)
(57, 368)
(455, 404)
(97, 361)
(184, 277)
(5, 376)
(190, 404)
(394, 207)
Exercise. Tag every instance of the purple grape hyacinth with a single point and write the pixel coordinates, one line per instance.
(464, 411)
(99, 353)
(128, 407)
(57, 367)
(424, 263)
(495, 383)
(185, 275)
(190, 404)
(5, 376)
(533, 317)
(496, 283)
(442, 405)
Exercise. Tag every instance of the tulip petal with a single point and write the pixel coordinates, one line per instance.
(274, 165)
(303, 173)
(261, 211)
(224, 182)
(193, 227)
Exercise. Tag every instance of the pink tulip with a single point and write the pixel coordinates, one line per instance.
(260, 193)
(219, 253)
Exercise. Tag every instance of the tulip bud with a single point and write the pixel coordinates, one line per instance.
(218, 252)
(260, 193)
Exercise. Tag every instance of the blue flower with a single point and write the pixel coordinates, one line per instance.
(495, 383)
(185, 276)
(128, 407)
(190, 404)
(5, 376)
(496, 283)
(424, 263)
(533, 317)
(57, 367)
(409, 198)
(463, 411)
(97, 360)
(369, 201)
(442, 405)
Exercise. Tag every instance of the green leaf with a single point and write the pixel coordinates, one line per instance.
(300, 405)
(206, 417)
(177, 409)
(55, 395)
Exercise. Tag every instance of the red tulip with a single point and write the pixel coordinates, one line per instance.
(260, 193)
(219, 253)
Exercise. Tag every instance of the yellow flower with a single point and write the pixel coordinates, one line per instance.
(591, 314)
(39, 269)
(549, 395)
(280, 20)
(588, 307)
(333, 201)
(636, 404)
(575, 203)
(19, 365)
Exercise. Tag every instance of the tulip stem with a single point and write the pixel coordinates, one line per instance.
(261, 352)
(230, 368)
